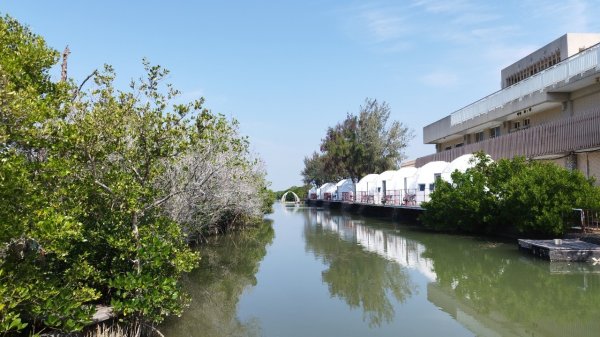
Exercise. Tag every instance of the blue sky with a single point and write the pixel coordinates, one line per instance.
(288, 70)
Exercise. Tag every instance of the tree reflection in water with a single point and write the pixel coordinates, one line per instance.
(359, 277)
(228, 266)
(511, 293)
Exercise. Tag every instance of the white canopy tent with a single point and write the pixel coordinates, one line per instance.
(385, 186)
(345, 190)
(405, 181)
(326, 191)
(395, 185)
(460, 164)
(366, 189)
(405, 178)
(313, 193)
(425, 179)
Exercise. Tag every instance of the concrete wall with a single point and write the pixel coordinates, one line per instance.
(588, 102)
(557, 47)
(577, 42)
(589, 164)
(545, 116)
(545, 57)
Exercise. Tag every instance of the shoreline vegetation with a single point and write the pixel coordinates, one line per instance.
(510, 197)
(103, 189)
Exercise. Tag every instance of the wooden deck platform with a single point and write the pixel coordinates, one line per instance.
(572, 250)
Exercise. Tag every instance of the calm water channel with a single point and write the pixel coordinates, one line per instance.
(316, 272)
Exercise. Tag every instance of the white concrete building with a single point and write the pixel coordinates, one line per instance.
(548, 108)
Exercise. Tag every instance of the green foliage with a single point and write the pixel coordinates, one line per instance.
(268, 198)
(509, 196)
(314, 170)
(83, 190)
(361, 144)
(42, 271)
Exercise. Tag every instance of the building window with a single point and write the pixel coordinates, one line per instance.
(495, 132)
(459, 145)
(517, 125)
(448, 148)
(422, 187)
(432, 187)
(526, 122)
(478, 137)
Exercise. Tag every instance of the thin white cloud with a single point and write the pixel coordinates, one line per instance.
(475, 18)
(445, 6)
(573, 16)
(384, 26)
(440, 79)
(481, 35)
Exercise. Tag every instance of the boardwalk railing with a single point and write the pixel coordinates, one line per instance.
(408, 197)
(551, 138)
(589, 219)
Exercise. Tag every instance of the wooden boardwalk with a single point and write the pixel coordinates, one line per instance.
(572, 250)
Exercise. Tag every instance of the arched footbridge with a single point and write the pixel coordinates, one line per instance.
(296, 198)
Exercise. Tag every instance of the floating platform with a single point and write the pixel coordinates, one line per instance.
(571, 250)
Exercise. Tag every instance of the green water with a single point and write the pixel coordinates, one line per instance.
(315, 272)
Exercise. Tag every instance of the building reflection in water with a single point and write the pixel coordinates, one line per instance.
(406, 252)
(487, 287)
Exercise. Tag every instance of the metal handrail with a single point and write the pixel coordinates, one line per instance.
(563, 71)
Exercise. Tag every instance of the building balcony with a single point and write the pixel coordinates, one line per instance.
(550, 86)
(548, 140)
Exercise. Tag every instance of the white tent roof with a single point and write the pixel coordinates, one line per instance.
(327, 188)
(370, 180)
(388, 177)
(345, 185)
(426, 173)
(406, 172)
(461, 164)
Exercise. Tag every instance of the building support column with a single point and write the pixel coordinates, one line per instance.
(571, 162)
(567, 108)
(587, 165)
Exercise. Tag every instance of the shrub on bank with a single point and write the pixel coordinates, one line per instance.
(509, 196)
